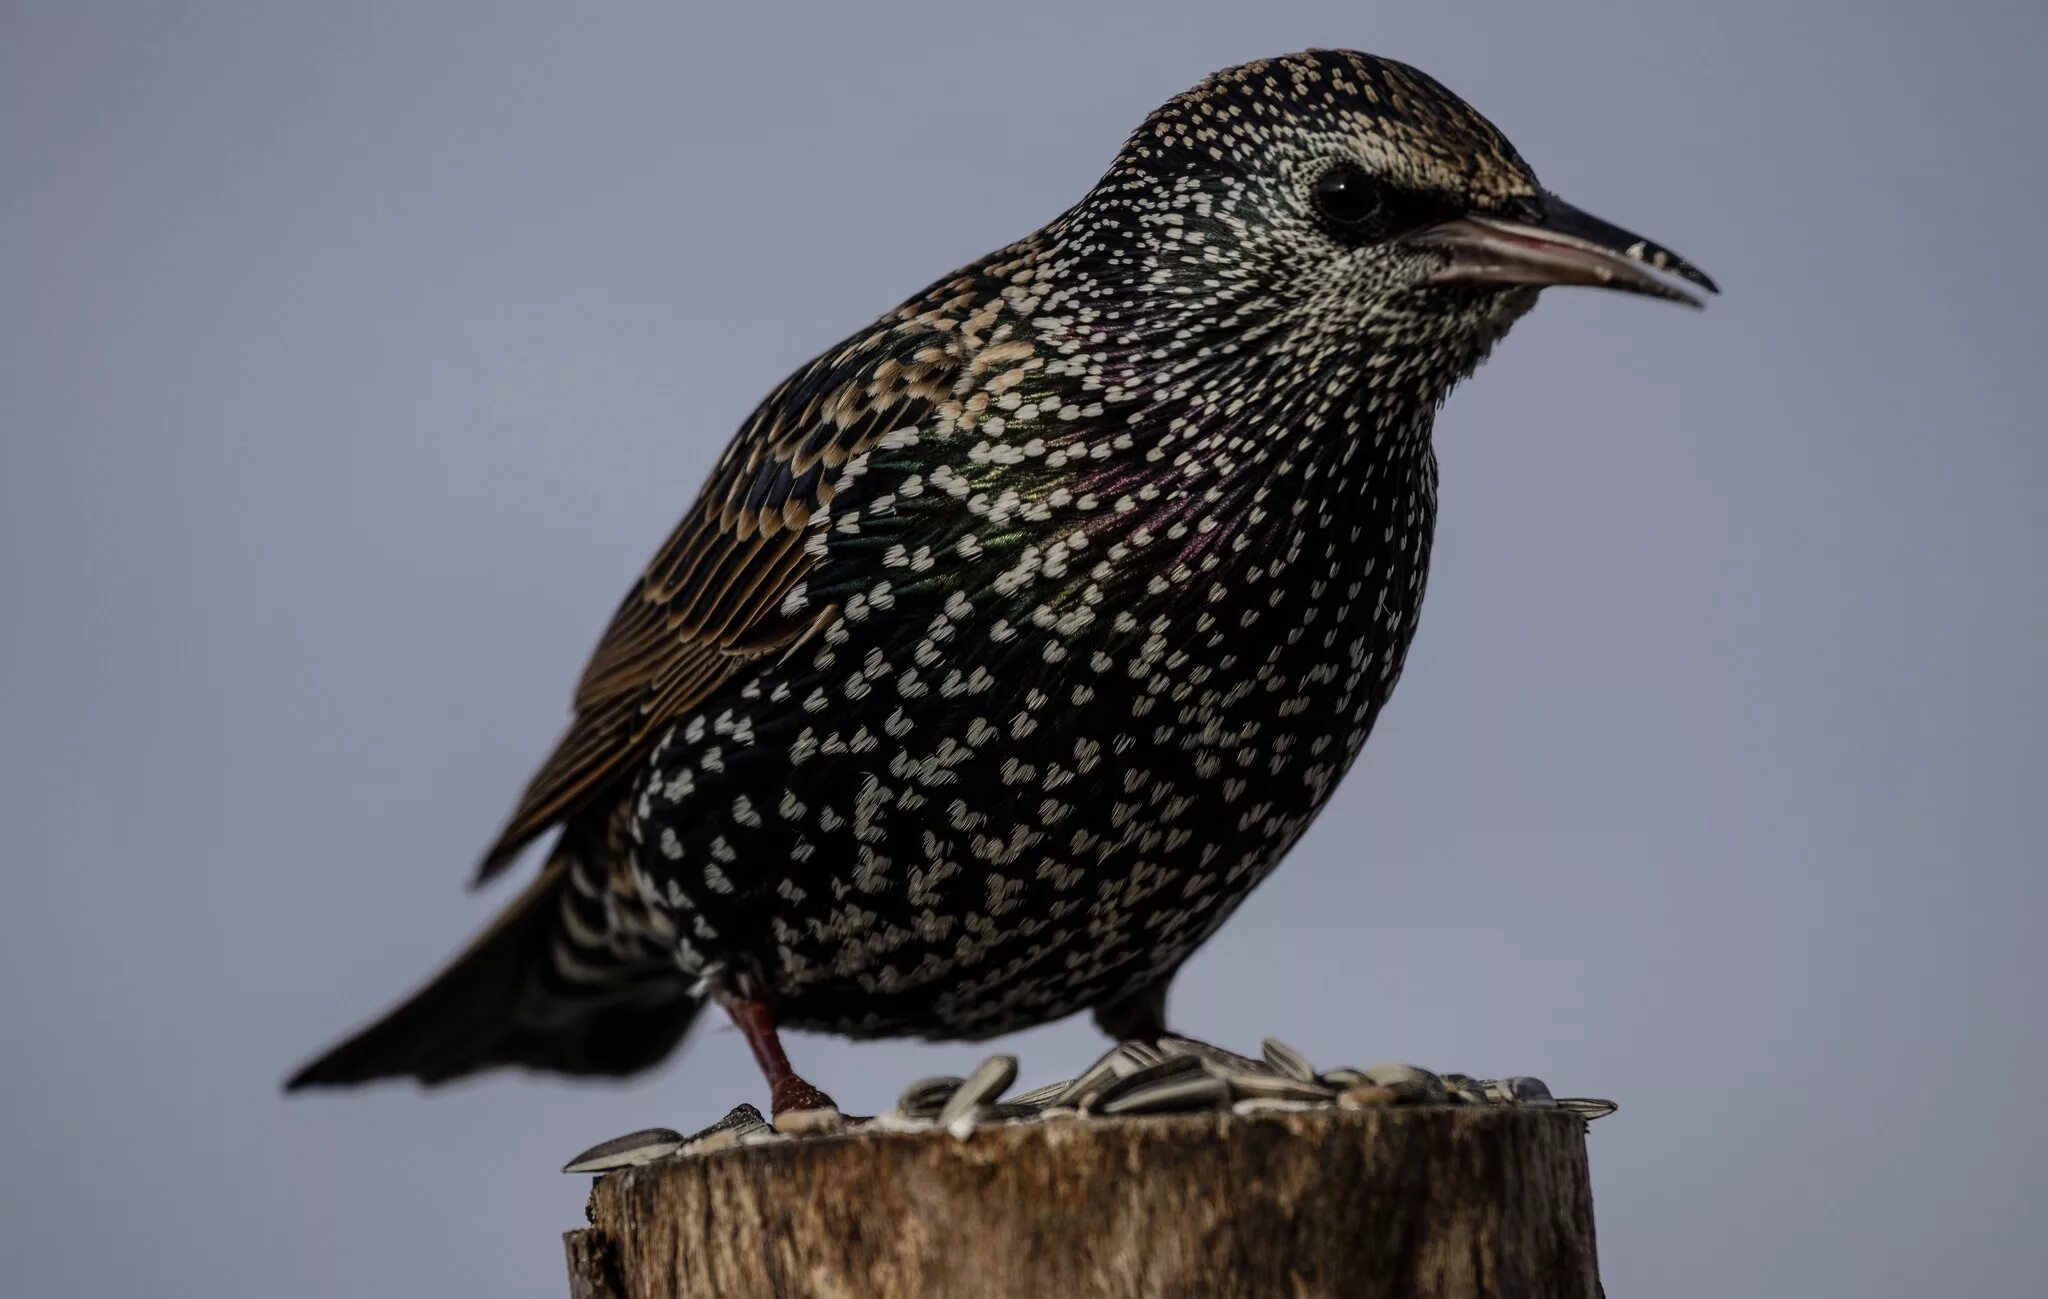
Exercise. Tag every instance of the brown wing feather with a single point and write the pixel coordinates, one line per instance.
(711, 600)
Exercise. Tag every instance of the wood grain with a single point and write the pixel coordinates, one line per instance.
(1433, 1203)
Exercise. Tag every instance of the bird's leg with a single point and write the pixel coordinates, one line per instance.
(787, 1090)
(1138, 1016)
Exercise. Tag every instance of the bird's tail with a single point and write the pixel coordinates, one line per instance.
(541, 988)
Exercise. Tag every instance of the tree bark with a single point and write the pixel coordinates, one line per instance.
(1423, 1203)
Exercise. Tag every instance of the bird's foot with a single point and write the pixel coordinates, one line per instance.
(796, 1105)
(790, 1095)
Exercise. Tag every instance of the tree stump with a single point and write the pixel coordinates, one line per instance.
(1432, 1202)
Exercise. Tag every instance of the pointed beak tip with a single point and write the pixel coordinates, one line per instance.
(1672, 264)
(1558, 245)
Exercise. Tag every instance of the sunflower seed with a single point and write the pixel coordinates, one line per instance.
(1412, 1085)
(1118, 1061)
(1342, 1079)
(745, 1118)
(722, 1139)
(1214, 1058)
(1464, 1089)
(1517, 1091)
(1276, 1087)
(1039, 1098)
(1287, 1060)
(986, 1083)
(1191, 1089)
(1529, 1091)
(1587, 1107)
(1263, 1105)
(642, 1147)
(927, 1096)
(739, 1122)
(1367, 1097)
(898, 1121)
(1172, 1067)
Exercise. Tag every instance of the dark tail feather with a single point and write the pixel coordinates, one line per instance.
(506, 1001)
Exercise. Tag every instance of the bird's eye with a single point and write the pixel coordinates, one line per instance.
(1347, 196)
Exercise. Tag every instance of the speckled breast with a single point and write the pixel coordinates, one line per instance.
(944, 817)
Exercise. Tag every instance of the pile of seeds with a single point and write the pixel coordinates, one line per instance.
(1173, 1075)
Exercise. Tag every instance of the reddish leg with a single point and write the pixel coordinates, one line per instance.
(786, 1091)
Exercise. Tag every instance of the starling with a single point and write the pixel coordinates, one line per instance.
(1016, 638)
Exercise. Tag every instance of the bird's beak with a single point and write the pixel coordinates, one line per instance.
(1557, 244)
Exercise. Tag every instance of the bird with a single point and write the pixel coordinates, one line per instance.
(1013, 640)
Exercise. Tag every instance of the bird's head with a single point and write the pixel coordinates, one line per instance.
(1341, 211)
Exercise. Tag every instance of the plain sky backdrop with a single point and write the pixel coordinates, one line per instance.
(353, 358)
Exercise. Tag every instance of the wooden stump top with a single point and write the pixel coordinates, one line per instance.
(1428, 1203)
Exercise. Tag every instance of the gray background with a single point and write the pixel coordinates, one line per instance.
(351, 363)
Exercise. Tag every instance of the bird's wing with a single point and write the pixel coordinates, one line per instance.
(712, 599)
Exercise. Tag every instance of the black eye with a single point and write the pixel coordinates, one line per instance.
(1347, 196)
